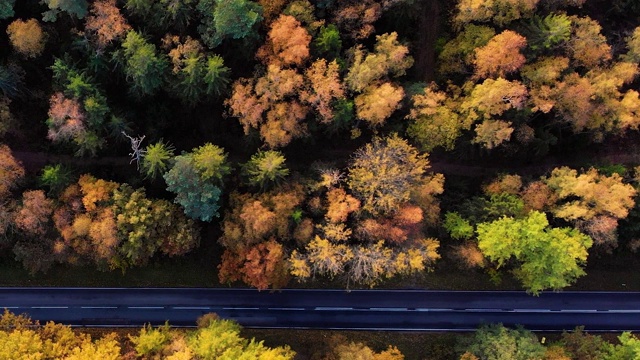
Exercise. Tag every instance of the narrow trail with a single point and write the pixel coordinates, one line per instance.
(34, 161)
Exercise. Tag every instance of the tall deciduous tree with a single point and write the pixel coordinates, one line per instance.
(497, 342)
(27, 37)
(384, 172)
(11, 171)
(593, 201)
(545, 257)
(106, 23)
(500, 56)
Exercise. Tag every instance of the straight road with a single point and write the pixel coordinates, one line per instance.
(329, 309)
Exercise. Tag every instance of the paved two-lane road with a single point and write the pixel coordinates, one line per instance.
(329, 309)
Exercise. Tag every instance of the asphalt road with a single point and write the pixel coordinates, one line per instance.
(329, 309)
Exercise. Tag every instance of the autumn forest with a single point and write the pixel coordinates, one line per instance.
(361, 143)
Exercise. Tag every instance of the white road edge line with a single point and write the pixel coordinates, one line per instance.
(145, 307)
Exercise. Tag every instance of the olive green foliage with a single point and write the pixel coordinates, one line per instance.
(496, 342)
(196, 179)
(156, 159)
(545, 257)
(146, 226)
(457, 226)
(144, 68)
(55, 177)
(228, 19)
(6, 8)
(266, 168)
(151, 341)
(548, 32)
(628, 349)
(221, 340)
(76, 8)
(328, 41)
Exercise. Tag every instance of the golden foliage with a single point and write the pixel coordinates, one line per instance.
(95, 191)
(340, 205)
(500, 12)
(491, 133)
(377, 103)
(493, 97)
(588, 47)
(500, 56)
(26, 37)
(584, 196)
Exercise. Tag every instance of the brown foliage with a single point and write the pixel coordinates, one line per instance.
(509, 184)
(500, 56)
(11, 171)
(26, 37)
(105, 23)
(323, 88)
(356, 17)
(537, 196)
(261, 266)
(66, 119)
(32, 216)
(258, 221)
(469, 255)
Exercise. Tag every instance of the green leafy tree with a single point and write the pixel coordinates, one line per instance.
(156, 159)
(76, 8)
(228, 19)
(151, 341)
(266, 168)
(457, 226)
(143, 67)
(628, 349)
(495, 342)
(328, 41)
(545, 257)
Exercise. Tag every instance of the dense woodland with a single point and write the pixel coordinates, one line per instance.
(299, 136)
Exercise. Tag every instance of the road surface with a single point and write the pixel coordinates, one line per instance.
(407, 310)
